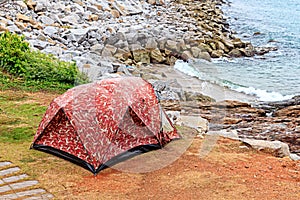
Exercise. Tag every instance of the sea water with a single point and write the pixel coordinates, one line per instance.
(274, 76)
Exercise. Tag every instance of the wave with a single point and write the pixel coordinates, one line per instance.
(262, 95)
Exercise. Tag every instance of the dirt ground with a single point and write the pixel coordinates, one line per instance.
(227, 172)
(192, 168)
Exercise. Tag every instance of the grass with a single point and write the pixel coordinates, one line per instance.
(19, 116)
(10, 82)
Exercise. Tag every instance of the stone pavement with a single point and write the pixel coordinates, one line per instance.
(17, 185)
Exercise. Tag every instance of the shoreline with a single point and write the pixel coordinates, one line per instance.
(194, 84)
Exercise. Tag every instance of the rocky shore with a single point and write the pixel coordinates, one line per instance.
(145, 38)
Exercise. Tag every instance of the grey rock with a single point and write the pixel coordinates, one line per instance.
(151, 43)
(172, 45)
(276, 148)
(50, 30)
(55, 50)
(38, 44)
(41, 5)
(78, 35)
(97, 48)
(232, 134)
(294, 157)
(71, 19)
(46, 20)
(109, 51)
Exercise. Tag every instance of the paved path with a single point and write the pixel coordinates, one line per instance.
(16, 185)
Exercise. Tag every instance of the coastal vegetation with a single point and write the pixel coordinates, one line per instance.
(27, 69)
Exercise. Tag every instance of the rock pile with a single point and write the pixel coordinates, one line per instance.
(253, 122)
(127, 31)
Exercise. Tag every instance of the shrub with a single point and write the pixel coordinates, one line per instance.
(36, 68)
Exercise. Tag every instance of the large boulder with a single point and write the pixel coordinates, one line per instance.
(276, 148)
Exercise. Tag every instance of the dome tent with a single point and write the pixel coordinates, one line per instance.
(99, 124)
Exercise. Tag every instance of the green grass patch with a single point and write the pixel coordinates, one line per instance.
(18, 119)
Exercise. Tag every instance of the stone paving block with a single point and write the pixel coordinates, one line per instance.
(9, 171)
(30, 192)
(14, 178)
(41, 197)
(5, 163)
(8, 196)
(23, 184)
(47, 196)
(4, 188)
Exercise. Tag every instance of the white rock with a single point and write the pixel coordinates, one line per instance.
(277, 148)
(232, 134)
(196, 122)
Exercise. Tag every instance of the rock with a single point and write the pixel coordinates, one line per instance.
(294, 157)
(230, 104)
(228, 43)
(71, 19)
(97, 48)
(46, 20)
(276, 148)
(195, 96)
(156, 56)
(170, 105)
(187, 55)
(142, 56)
(31, 4)
(238, 43)
(290, 111)
(38, 44)
(230, 120)
(205, 56)
(93, 17)
(195, 51)
(235, 53)
(24, 18)
(108, 51)
(232, 134)
(217, 53)
(151, 44)
(50, 30)
(172, 45)
(115, 13)
(41, 6)
(196, 122)
(78, 35)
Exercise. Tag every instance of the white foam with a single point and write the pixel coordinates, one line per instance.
(263, 95)
(186, 68)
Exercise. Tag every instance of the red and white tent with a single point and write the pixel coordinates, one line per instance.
(99, 124)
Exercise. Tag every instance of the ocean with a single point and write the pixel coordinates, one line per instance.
(274, 76)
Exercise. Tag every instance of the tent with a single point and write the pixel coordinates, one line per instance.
(99, 124)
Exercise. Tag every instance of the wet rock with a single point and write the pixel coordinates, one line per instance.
(187, 55)
(204, 55)
(235, 53)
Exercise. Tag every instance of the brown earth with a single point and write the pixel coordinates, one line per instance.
(226, 172)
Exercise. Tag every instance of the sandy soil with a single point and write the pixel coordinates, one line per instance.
(228, 172)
